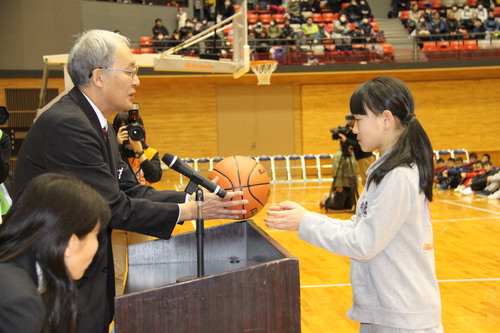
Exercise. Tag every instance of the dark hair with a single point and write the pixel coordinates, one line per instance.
(440, 160)
(459, 159)
(48, 212)
(487, 155)
(451, 159)
(473, 155)
(121, 119)
(413, 146)
(487, 163)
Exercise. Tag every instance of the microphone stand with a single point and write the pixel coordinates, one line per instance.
(200, 233)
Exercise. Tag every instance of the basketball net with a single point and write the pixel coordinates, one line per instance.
(263, 69)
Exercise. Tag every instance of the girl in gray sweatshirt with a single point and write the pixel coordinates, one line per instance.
(390, 239)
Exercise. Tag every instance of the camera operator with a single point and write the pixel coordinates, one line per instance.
(364, 159)
(5, 173)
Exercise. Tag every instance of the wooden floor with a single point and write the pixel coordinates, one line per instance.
(466, 230)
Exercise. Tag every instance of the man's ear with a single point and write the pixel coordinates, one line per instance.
(97, 77)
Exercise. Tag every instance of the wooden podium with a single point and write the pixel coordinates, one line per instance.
(251, 284)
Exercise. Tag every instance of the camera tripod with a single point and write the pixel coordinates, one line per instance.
(346, 157)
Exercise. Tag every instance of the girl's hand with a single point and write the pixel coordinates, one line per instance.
(286, 216)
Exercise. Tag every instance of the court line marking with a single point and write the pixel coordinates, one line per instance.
(439, 281)
(468, 219)
(467, 206)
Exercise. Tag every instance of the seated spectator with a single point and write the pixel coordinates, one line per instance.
(366, 31)
(306, 9)
(492, 189)
(452, 25)
(466, 13)
(491, 23)
(209, 10)
(353, 12)
(334, 5)
(479, 182)
(288, 33)
(485, 158)
(276, 7)
(457, 12)
(439, 169)
(262, 42)
(472, 161)
(428, 15)
(294, 11)
(467, 176)
(175, 39)
(397, 6)
(366, 11)
(453, 175)
(316, 6)
(159, 28)
(414, 17)
(437, 26)
(341, 32)
(311, 29)
(482, 13)
(474, 26)
(258, 28)
(423, 28)
(274, 32)
(160, 43)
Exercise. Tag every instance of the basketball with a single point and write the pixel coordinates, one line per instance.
(239, 173)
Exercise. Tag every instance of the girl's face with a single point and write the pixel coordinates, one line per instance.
(80, 252)
(369, 130)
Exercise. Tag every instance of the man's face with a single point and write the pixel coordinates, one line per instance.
(458, 164)
(119, 87)
(478, 166)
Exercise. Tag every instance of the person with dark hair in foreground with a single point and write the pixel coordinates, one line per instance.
(390, 239)
(47, 240)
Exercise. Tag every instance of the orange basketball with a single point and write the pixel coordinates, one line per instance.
(239, 173)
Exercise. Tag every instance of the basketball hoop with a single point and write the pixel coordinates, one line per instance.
(263, 69)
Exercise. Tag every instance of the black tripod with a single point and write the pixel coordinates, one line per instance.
(338, 201)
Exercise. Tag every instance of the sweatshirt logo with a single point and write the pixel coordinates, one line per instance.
(363, 208)
(426, 246)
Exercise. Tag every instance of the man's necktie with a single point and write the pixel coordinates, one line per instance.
(105, 133)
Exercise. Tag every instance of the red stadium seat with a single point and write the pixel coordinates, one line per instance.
(327, 17)
(279, 18)
(265, 18)
(443, 45)
(404, 15)
(252, 18)
(472, 3)
(436, 4)
(430, 46)
(144, 50)
(496, 10)
(374, 26)
(470, 45)
(146, 40)
(134, 50)
(317, 18)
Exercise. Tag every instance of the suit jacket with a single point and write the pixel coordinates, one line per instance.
(21, 306)
(68, 138)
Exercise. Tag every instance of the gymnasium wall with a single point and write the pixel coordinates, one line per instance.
(459, 108)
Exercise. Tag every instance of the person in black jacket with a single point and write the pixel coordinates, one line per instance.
(47, 240)
(74, 136)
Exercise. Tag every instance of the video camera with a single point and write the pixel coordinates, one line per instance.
(134, 129)
(345, 130)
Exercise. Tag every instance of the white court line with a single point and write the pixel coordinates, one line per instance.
(468, 206)
(439, 281)
(468, 219)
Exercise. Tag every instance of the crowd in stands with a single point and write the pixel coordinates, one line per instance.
(448, 20)
(477, 177)
(329, 25)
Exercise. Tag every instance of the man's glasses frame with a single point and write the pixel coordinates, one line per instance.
(132, 72)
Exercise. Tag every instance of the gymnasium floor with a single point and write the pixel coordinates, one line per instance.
(466, 230)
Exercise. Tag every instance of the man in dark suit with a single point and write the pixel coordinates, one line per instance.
(73, 136)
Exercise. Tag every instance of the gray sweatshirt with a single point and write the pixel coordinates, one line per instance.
(390, 243)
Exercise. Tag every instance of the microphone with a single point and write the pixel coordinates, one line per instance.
(194, 176)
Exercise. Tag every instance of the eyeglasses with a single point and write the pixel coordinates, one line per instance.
(132, 72)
